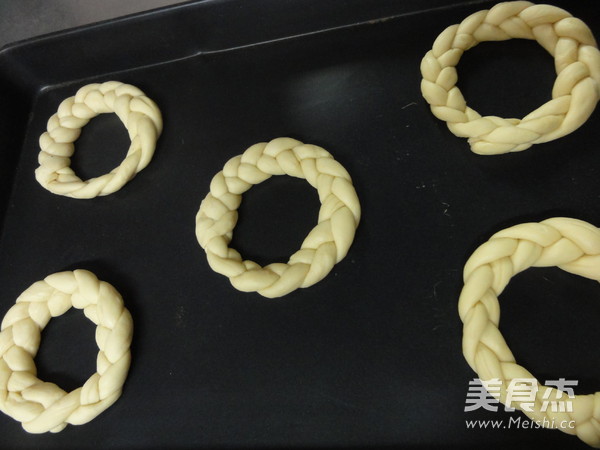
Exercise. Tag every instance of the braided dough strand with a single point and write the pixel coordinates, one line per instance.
(43, 406)
(139, 114)
(570, 244)
(325, 245)
(574, 96)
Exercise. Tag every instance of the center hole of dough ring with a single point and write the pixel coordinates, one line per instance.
(141, 118)
(573, 246)
(42, 406)
(326, 244)
(574, 96)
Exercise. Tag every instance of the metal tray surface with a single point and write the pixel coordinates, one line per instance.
(371, 355)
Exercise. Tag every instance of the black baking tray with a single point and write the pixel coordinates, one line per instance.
(370, 356)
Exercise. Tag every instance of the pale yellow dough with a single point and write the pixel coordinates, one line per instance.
(139, 114)
(572, 245)
(325, 245)
(43, 406)
(574, 96)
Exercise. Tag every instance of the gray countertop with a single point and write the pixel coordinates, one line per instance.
(22, 19)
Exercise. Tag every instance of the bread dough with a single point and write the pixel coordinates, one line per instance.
(572, 245)
(139, 114)
(574, 96)
(325, 245)
(43, 406)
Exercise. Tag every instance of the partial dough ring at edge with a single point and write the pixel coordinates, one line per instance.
(141, 118)
(570, 244)
(574, 96)
(325, 245)
(43, 406)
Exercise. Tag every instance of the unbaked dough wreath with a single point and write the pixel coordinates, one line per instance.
(139, 114)
(574, 95)
(325, 245)
(570, 244)
(43, 406)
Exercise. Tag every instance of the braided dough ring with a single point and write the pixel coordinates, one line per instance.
(325, 245)
(570, 244)
(43, 406)
(139, 114)
(574, 96)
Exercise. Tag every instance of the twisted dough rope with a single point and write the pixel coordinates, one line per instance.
(572, 245)
(326, 244)
(574, 96)
(139, 114)
(43, 406)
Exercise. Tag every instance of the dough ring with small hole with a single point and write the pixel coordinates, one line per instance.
(326, 244)
(139, 114)
(574, 95)
(570, 244)
(43, 406)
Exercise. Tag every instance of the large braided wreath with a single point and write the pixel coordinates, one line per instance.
(570, 244)
(43, 406)
(574, 95)
(326, 244)
(139, 114)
